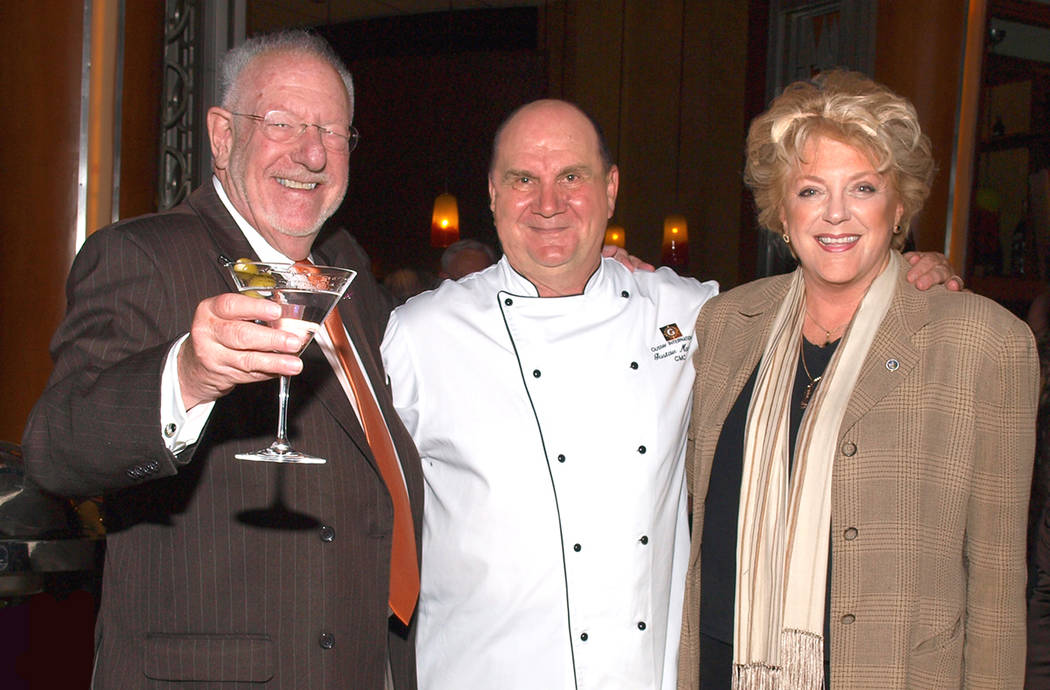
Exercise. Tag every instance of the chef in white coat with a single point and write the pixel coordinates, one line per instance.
(552, 433)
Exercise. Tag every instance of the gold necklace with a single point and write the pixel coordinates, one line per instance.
(827, 331)
(812, 381)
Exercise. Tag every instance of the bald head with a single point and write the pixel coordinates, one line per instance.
(554, 105)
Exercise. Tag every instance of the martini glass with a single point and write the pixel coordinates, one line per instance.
(306, 293)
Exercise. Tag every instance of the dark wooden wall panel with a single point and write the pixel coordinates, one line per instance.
(40, 99)
(918, 53)
(714, 127)
(141, 107)
(430, 91)
(40, 70)
(645, 69)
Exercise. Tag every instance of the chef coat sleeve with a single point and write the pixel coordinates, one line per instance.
(401, 367)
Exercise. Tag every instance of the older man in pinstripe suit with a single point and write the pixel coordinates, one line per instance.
(161, 376)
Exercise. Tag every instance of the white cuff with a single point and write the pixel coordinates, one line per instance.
(178, 427)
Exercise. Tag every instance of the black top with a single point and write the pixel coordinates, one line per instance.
(718, 548)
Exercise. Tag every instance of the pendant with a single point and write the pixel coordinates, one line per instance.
(809, 391)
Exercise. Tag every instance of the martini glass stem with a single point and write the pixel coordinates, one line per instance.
(281, 444)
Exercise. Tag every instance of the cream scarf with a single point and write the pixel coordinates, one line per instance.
(784, 522)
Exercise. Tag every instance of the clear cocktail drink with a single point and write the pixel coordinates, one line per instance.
(306, 293)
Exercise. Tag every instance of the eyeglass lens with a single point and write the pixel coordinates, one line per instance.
(282, 127)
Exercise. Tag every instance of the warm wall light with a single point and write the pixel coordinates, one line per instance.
(444, 226)
(676, 242)
(616, 236)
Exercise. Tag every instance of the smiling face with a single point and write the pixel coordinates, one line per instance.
(286, 191)
(551, 196)
(839, 213)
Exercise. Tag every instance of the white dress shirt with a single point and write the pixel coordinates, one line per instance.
(552, 433)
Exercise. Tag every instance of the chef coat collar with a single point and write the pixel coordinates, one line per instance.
(518, 284)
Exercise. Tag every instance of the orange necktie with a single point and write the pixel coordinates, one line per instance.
(404, 568)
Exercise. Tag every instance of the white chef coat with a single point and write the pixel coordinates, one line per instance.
(552, 433)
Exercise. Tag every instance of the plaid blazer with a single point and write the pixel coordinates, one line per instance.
(929, 489)
(191, 593)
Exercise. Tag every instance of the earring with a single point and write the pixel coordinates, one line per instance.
(787, 240)
(897, 229)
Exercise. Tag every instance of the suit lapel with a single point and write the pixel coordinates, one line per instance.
(893, 353)
(326, 388)
(331, 393)
(227, 238)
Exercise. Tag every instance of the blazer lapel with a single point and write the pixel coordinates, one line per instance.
(740, 349)
(733, 348)
(893, 353)
(750, 329)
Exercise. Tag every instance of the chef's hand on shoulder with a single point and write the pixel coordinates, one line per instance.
(932, 268)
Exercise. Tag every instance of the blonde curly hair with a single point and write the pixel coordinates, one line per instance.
(849, 107)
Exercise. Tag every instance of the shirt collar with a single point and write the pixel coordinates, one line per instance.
(518, 284)
(260, 246)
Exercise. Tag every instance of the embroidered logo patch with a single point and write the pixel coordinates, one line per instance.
(671, 332)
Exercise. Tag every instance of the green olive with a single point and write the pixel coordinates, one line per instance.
(246, 266)
(263, 282)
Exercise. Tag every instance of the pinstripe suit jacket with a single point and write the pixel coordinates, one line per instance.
(191, 594)
(933, 471)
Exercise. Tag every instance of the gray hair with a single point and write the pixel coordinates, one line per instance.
(291, 42)
(456, 248)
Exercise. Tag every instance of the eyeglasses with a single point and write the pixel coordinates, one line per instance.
(282, 127)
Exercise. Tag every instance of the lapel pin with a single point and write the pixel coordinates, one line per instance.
(892, 364)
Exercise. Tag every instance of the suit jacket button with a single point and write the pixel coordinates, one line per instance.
(327, 533)
(849, 449)
(848, 619)
(850, 534)
(327, 640)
